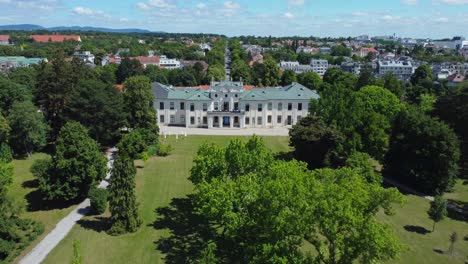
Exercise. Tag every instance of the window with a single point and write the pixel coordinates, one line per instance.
(289, 106)
(182, 106)
(247, 107)
(299, 106)
(270, 106)
(247, 121)
(216, 106)
(236, 106)
(205, 107)
(161, 118)
(216, 95)
(260, 107)
(269, 119)
(161, 106)
(199, 120)
(172, 121)
(205, 120)
(226, 95)
(280, 106)
(192, 120)
(278, 120)
(259, 120)
(192, 107)
(171, 105)
(236, 95)
(182, 119)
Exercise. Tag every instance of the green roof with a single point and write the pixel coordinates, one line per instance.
(20, 60)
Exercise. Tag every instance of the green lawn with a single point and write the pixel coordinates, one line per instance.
(23, 188)
(163, 179)
(158, 182)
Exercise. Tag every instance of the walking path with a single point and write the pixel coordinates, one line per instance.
(39, 253)
(430, 198)
(182, 131)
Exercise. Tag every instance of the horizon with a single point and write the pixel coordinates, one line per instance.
(436, 19)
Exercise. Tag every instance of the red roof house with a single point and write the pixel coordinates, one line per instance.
(4, 39)
(54, 38)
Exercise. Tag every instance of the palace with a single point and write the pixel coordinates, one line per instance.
(230, 104)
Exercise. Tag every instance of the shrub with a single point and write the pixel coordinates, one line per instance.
(98, 199)
(165, 150)
(152, 150)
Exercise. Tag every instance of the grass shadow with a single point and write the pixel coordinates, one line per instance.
(36, 202)
(438, 251)
(31, 184)
(455, 214)
(97, 223)
(189, 231)
(284, 155)
(416, 229)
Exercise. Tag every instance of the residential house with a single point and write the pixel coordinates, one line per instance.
(167, 63)
(455, 79)
(351, 67)
(319, 66)
(85, 56)
(295, 66)
(54, 38)
(10, 62)
(400, 69)
(5, 40)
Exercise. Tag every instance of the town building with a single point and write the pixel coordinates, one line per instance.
(324, 50)
(205, 47)
(400, 69)
(456, 43)
(85, 56)
(9, 62)
(54, 38)
(145, 61)
(170, 64)
(5, 40)
(455, 79)
(295, 66)
(319, 66)
(351, 67)
(306, 49)
(191, 63)
(363, 52)
(231, 105)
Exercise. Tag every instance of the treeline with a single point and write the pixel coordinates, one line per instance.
(396, 123)
(67, 110)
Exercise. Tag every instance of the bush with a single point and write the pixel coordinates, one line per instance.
(165, 150)
(152, 150)
(98, 199)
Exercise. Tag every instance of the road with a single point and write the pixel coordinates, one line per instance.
(227, 62)
(49, 242)
(182, 131)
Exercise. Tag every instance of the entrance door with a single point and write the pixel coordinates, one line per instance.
(226, 107)
(289, 120)
(226, 121)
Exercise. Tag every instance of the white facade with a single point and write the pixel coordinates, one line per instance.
(170, 64)
(85, 56)
(400, 69)
(319, 66)
(226, 104)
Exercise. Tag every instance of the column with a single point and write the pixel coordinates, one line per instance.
(241, 121)
(220, 119)
(210, 122)
(231, 122)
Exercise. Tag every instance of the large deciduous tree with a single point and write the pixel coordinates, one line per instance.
(288, 77)
(76, 165)
(128, 68)
(424, 152)
(310, 80)
(28, 128)
(240, 70)
(122, 200)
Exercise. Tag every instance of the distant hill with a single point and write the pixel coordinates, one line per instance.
(28, 27)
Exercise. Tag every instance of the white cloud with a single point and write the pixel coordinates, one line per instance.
(123, 19)
(296, 2)
(288, 15)
(5, 1)
(143, 6)
(359, 13)
(442, 20)
(201, 6)
(159, 4)
(86, 11)
(231, 5)
(455, 2)
(409, 2)
(230, 8)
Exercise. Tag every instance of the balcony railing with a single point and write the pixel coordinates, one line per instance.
(226, 112)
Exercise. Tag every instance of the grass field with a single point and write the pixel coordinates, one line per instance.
(163, 179)
(24, 188)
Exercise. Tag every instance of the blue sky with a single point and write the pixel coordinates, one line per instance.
(412, 18)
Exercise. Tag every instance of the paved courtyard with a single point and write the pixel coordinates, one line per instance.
(182, 131)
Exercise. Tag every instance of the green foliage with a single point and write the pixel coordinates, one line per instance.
(391, 83)
(76, 165)
(136, 142)
(438, 210)
(28, 128)
(424, 152)
(362, 163)
(122, 199)
(139, 104)
(310, 80)
(267, 212)
(10, 93)
(216, 72)
(240, 69)
(366, 77)
(340, 50)
(164, 150)
(422, 74)
(336, 76)
(427, 102)
(98, 198)
(271, 76)
(128, 68)
(208, 255)
(288, 77)
(100, 108)
(314, 142)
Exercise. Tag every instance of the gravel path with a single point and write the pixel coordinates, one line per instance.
(38, 254)
(182, 131)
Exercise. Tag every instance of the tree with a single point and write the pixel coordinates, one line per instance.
(100, 108)
(424, 152)
(98, 200)
(28, 128)
(362, 163)
(76, 165)
(427, 102)
(438, 210)
(128, 68)
(422, 74)
(240, 69)
(391, 83)
(310, 80)
(335, 76)
(272, 73)
(366, 77)
(139, 104)
(133, 144)
(453, 240)
(288, 77)
(258, 73)
(340, 50)
(11, 92)
(216, 73)
(122, 199)
(314, 142)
